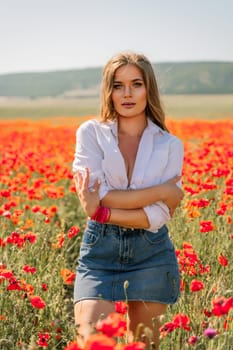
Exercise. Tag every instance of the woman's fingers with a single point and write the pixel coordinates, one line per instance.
(86, 179)
(96, 185)
(89, 198)
(82, 182)
(78, 180)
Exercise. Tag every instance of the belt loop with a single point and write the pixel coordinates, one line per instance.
(103, 229)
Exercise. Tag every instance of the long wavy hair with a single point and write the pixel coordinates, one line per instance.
(154, 110)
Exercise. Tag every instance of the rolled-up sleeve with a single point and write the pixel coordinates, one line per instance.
(88, 154)
(158, 213)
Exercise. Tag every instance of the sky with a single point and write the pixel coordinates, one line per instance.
(44, 35)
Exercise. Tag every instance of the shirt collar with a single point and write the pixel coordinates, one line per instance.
(151, 127)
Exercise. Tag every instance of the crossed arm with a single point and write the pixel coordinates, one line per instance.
(139, 208)
(127, 205)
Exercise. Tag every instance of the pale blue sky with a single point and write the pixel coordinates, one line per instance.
(38, 35)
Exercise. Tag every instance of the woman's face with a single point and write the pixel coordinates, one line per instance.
(129, 95)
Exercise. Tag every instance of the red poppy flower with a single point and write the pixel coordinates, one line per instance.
(37, 302)
(222, 260)
(43, 339)
(192, 340)
(167, 328)
(29, 236)
(221, 306)
(113, 325)
(29, 269)
(44, 286)
(5, 274)
(196, 285)
(60, 241)
(73, 231)
(207, 313)
(35, 208)
(206, 226)
(68, 276)
(182, 321)
(121, 307)
(100, 342)
(14, 284)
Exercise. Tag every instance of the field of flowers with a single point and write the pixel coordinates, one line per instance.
(41, 225)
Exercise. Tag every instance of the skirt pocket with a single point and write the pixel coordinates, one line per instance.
(157, 238)
(91, 235)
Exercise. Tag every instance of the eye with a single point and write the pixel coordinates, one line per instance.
(137, 84)
(117, 86)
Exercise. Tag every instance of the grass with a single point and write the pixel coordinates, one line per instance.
(176, 106)
(211, 107)
(47, 108)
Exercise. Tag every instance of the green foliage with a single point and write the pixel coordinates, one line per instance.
(52, 84)
(173, 78)
(195, 77)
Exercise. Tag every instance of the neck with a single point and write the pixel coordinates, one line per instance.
(130, 127)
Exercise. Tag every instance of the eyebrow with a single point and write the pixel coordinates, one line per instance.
(134, 80)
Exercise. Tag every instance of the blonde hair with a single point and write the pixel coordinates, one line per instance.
(154, 109)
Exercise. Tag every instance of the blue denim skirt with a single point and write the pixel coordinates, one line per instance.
(117, 264)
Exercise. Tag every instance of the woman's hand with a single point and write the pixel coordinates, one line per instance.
(173, 195)
(88, 199)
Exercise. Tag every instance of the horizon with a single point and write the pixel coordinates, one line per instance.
(55, 70)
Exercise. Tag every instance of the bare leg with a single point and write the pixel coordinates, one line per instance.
(147, 314)
(87, 313)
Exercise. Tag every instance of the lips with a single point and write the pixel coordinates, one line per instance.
(128, 104)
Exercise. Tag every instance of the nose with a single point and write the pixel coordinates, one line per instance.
(127, 91)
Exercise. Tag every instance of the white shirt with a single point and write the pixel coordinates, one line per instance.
(159, 158)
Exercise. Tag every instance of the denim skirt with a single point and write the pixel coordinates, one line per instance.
(120, 264)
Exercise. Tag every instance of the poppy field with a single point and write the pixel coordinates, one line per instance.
(41, 225)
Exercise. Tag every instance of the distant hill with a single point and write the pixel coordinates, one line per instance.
(173, 78)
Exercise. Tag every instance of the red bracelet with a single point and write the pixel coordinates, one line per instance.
(101, 215)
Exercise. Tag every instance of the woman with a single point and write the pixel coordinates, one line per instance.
(127, 168)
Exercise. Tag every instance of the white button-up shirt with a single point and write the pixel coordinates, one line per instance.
(159, 158)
